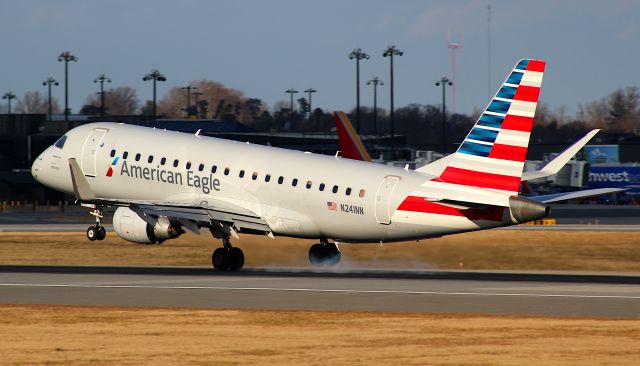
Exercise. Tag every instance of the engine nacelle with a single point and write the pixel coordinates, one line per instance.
(129, 226)
(525, 210)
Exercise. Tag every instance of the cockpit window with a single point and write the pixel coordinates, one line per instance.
(60, 143)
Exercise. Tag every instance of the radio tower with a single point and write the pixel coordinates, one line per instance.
(453, 47)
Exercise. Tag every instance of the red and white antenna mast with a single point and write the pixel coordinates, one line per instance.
(453, 47)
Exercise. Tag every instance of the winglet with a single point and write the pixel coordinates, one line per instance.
(561, 160)
(81, 187)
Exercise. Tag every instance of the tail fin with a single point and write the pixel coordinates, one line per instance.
(350, 145)
(493, 153)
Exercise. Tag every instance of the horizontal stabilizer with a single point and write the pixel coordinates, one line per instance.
(561, 160)
(81, 187)
(557, 197)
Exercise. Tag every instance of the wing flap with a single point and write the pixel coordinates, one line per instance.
(205, 216)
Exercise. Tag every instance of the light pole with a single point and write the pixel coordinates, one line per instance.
(48, 82)
(291, 92)
(66, 56)
(8, 96)
(188, 88)
(358, 55)
(375, 81)
(310, 91)
(444, 81)
(390, 52)
(101, 79)
(197, 96)
(156, 76)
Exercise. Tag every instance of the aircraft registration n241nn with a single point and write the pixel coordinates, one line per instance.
(165, 182)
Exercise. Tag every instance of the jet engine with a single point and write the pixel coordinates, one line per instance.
(525, 210)
(129, 226)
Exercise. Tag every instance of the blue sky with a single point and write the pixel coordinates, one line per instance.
(265, 47)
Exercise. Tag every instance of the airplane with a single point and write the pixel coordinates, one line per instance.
(162, 183)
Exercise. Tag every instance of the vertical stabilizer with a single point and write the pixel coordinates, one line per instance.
(351, 146)
(493, 153)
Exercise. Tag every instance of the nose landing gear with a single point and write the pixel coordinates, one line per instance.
(98, 231)
(324, 254)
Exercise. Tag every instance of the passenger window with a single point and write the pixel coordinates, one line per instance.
(188, 165)
(150, 160)
(321, 187)
(254, 176)
(294, 182)
(226, 171)
(176, 163)
(241, 175)
(280, 180)
(335, 189)
(138, 157)
(308, 184)
(267, 177)
(213, 169)
(201, 167)
(125, 154)
(113, 153)
(60, 143)
(348, 192)
(361, 193)
(163, 161)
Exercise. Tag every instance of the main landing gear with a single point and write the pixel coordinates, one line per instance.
(98, 231)
(324, 254)
(227, 258)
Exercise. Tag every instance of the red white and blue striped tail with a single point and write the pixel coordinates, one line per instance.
(493, 153)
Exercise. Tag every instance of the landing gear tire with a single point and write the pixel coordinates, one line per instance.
(231, 259)
(237, 258)
(324, 254)
(102, 233)
(92, 233)
(221, 258)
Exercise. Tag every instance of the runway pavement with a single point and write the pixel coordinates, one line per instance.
(550, 294)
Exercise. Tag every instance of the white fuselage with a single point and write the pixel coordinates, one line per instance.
(363, 206)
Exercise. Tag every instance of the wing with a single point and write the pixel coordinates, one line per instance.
(231, 216)
(217, 215)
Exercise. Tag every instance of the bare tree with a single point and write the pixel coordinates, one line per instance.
(122, 100)
(594, 114)
(223, 102)
(36, 102)
(624, 108)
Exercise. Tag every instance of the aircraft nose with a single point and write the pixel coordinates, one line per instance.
(35, 167)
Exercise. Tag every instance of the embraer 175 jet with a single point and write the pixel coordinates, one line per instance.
(165, 182)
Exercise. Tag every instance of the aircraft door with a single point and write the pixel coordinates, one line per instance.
(383, 197)
(89, 151)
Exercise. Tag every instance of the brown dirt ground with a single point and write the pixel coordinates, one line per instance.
(493, 249)
(82, 335)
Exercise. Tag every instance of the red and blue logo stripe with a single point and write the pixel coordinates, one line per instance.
(113, 165)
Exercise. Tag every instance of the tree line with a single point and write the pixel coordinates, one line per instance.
(616, 113)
